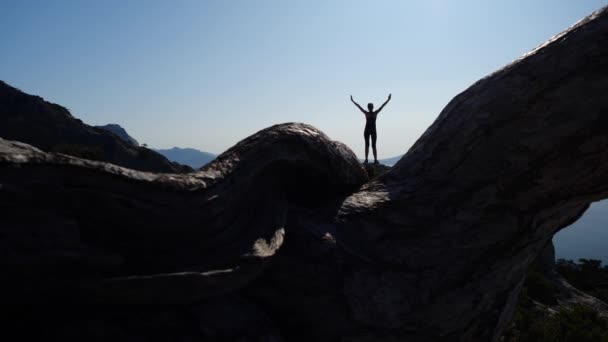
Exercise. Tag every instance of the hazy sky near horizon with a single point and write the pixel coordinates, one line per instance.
(206, 74)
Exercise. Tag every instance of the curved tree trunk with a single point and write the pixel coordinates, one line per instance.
(435, 249)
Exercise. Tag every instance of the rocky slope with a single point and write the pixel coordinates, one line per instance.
(185, 156)
(284, 237)
(551, 309)
(51, 127)
(121, 132)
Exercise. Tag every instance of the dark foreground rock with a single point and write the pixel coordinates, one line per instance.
(284, 235)
(375, 170)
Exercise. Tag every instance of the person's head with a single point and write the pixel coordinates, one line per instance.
(370, 106)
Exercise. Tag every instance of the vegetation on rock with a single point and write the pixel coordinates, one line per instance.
(540, 318)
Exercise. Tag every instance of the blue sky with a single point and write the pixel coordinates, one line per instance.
(587, 237)
(206, 74)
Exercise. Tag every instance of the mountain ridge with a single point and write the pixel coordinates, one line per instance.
(52, 128)
(121, 132)
(192, 157)
(189, 156)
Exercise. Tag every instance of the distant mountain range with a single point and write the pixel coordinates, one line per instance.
(50, 127)
(187, 156)
(390, 161)
(387, 161)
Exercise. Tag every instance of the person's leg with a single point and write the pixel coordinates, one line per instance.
(366, 137)
(374, 147)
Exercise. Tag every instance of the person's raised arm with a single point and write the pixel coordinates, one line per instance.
(356, 104)
(384, 104)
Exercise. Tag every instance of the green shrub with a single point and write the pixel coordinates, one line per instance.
(534, 323)
(601, 294)
(587, 275)
(577, 324)
(539, 288)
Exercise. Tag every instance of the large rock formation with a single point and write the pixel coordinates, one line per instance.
(281, 237)
(51, 127)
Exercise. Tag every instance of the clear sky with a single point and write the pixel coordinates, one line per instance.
(206, 74)
(587, 237)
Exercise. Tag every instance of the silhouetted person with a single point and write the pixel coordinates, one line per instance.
(370, 126)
